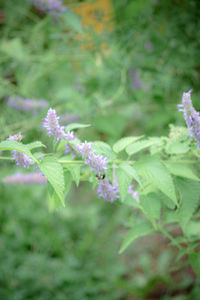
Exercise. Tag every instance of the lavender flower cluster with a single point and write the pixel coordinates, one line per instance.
(97, 163)
(26, 105)
(51, 124)
(191, 116)
(21, 178)
(49, 6)
(21, 158)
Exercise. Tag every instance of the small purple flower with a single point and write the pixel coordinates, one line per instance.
(136, 83)
(49, 6)
(26, 105)
(84, 149)
(51, 124)
(191, 116)
(108, 191)
(21, 158)
(97, 162)
(20, 178)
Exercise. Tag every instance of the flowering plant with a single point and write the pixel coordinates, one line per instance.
(157, 176)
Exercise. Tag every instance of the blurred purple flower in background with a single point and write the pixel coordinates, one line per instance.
(149, 46)
(51, 124)
(108, 191)
(49, 6)
(21, 158)
(27, 105)
(20, 178)
(136, 83)
(191, 116)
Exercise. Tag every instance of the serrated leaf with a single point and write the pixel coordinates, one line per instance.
(167, 201)
(155, 172)
(181, 170)
(140, 145)
(130, 171)
(75, 172)
(124, 142)
(151, 205)
(53, 199)
(124, 181)
(105, 149)
(190, 198)
(139, 230)
(53, 171)
(35, 145)
(13, 145)
(73, 126)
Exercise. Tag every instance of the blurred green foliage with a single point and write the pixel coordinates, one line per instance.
(127, 82)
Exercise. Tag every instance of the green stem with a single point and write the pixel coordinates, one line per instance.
(170, 237)
(5, 157)
(71, 162)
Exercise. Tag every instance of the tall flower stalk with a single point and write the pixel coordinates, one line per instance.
(191, 116)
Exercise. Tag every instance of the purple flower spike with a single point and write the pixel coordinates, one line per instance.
(108, 191)
(49, 6)
(20, 178)
(26, 105)
(51, 124)
(191, 116)
(97, 163)
(84, 149)
(21, 158)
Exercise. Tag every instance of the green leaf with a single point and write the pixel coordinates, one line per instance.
(124, 180)
(155, 172)
(75, 172)
(189, 191)
(151, 205)
(130, 171)
(176, 147)
(53, 199)
(192, 230)
(105, 149)
(141, 145)
(195, 262)
(76, 126)
(124, 142)
(68, 182)
(34, 145)
(53, 171)
(181, 170)
(139, 230)
(13, 145)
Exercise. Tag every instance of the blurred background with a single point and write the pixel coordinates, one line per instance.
(121, 66)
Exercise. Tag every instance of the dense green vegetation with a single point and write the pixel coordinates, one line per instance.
(125, 81)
